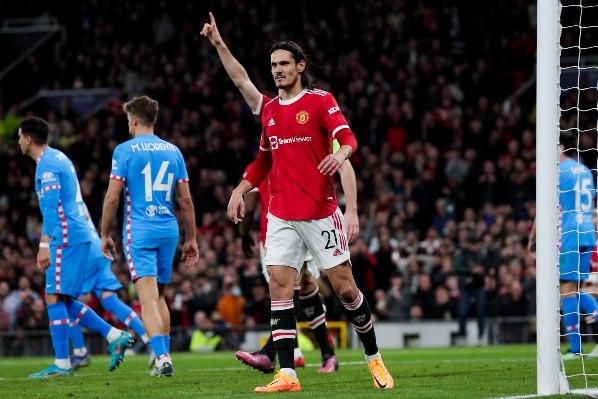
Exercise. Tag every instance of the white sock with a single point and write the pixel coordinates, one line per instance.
(162, 359)
(289, 372)
(63, 363)
(297, 353)
(113, 334)
(376, 355)
(80, 351)
(144, 339)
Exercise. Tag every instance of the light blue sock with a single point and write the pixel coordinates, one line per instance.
(571, 320)
(85, 316)
(124, 313)
(158, 345)
(588, 303)
(59, 329)
(76, 336)
(167, 342)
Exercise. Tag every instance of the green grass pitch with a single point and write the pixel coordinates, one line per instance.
(458, 372)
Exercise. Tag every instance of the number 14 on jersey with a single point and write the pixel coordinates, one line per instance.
(157, 184)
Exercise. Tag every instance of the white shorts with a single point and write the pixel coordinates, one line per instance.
(312, 269)
(288, 242)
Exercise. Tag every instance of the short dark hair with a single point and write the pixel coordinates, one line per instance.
(569, 142)
(307, 80)
(144, 108)
(36, 128)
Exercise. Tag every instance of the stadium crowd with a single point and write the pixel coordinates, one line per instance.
(432, 90)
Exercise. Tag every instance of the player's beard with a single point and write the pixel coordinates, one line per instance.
(282, 86)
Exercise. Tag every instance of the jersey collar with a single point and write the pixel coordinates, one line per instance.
(40, 156)
(292, 100)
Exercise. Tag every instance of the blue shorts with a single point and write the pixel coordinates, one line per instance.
(99, 276)
(67, 269)
(575, 266)
(151, 258)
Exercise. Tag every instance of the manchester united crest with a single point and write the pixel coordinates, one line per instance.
(302, 117)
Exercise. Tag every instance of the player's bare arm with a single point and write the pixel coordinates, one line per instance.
(190, 250)
(43, 254)
(49, 213)
(111, 201)
(233, 67)
(348, 181)
(251, 201)
(236, 205)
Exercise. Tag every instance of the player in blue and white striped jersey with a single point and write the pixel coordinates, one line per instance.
(148, 170)
(577, 196)
(63, 248)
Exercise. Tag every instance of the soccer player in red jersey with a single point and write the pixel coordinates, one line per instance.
(306, 289)
(295, 150)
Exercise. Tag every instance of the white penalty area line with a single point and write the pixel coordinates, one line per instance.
(592, 393)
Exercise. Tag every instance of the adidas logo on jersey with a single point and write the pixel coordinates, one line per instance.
(271, 122)
(337, 252)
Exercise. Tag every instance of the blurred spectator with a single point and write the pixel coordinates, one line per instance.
(514, 303)
(424, 295)
(205, 334)
(230, 305)
(381, 310)
(181, 301)
(471, 282)
(4, 317)
(398, 299)
(363, 262)
(32, 315)
(206, 295)
(443, 213)
(13, 301)
(386, 256)
(257, 309)
(444, 307)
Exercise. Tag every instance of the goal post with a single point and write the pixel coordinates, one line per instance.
(566, 101)
(549, 377)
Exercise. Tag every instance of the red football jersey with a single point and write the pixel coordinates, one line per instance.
(299, 134)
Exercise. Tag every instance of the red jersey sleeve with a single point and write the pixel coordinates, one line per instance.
(260, 168)
(333, 119)
(264, 141)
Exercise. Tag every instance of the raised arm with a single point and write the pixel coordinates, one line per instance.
(233, 68)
